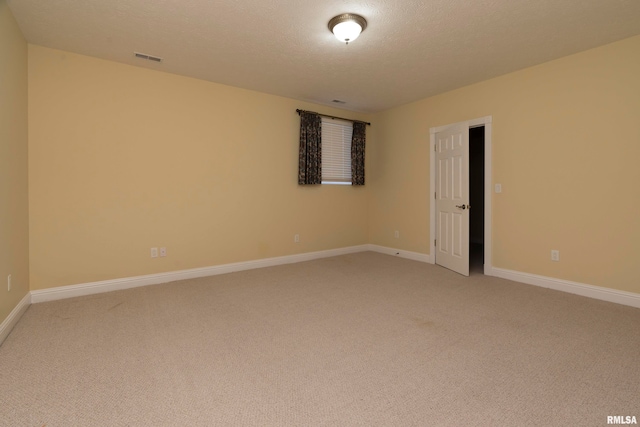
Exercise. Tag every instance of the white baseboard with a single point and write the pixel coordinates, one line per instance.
(416, 256)
(605, 294)
(597, 292)
(13, 317)
(71, 291)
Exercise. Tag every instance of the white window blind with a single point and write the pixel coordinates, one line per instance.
(336, 151)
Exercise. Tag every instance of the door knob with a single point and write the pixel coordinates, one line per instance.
(463, 207)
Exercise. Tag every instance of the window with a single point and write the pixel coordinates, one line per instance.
(336, 151)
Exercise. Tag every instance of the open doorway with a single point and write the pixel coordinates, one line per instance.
(476, 200)
(450, 225)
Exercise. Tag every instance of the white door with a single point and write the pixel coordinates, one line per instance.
(452, 198)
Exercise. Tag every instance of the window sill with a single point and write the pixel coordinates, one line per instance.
(335, 183)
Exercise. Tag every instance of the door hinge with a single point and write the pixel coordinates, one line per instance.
(435, 242)
(435, 194)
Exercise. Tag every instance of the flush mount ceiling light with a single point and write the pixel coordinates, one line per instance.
(347, 27)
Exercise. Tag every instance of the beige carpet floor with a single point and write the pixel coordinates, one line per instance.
(356, 340)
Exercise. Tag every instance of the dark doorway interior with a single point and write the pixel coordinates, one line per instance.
(476, 200)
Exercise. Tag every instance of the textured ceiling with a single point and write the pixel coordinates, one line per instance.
(410, 50)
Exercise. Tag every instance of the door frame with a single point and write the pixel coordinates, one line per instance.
(488, 184)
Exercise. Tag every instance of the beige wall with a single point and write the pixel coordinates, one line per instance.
(566, 146)
(14, 215)
(122, 159)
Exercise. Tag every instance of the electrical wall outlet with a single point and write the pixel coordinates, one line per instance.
(555, 255)
(154, 252)
(8, 283)
(296, 238)
(163, 251)
(396, 234)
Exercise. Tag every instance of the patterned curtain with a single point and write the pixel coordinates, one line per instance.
(357, 153)
(310, 158)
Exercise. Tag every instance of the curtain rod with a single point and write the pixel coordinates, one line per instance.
(332, 117)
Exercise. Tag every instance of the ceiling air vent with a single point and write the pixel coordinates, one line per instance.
(147, 57)
(337, 101)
